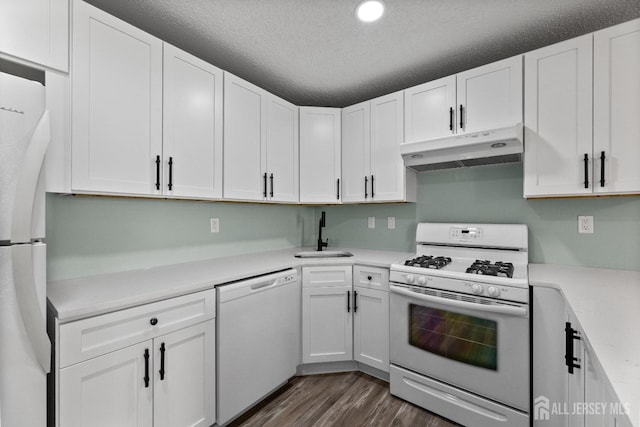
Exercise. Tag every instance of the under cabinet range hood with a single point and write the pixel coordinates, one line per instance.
(502, 145)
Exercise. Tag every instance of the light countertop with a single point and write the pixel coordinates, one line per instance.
(607, 305)
(74, 299)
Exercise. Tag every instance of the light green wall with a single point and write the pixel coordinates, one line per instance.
(494, 194)
(94, 235)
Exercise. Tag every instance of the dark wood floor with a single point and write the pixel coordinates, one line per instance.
(346, 399)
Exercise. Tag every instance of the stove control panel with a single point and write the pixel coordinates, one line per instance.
(468, 234)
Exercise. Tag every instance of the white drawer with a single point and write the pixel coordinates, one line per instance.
(326, 276)
(371, 277)
(88, 338)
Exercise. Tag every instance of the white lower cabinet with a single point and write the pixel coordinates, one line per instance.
(341, 322)
(165, 379)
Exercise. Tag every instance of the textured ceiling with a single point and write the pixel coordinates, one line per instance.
(315, 52)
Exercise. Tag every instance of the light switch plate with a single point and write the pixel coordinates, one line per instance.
(391, 222)
(215, 225)
(371, 222)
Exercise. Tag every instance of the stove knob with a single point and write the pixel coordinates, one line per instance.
(477, 289)
(410, 278)
(493, 291)
(422, 280)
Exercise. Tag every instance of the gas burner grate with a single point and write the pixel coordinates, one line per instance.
(499, 269)
(428, 261)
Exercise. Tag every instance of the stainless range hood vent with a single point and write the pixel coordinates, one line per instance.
(495, 146)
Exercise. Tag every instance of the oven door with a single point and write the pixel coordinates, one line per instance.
(479, 347)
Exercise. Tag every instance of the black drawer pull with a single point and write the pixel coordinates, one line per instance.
(153, 321)
(570, 335)
(369, 278)
(157, 172)
(586, 170)
(348, 301)
(461, 117)
(271, 178)
(355, 301)
(338, 189)
(146, 367)
(451, 119)
(161, 371)
(264, 177)
(366, 187)
(170, 173)
(602, 158)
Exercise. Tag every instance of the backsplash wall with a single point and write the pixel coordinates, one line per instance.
(494, 194)
(95, 235)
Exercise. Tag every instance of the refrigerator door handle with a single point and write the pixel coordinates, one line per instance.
(27, 296)
(27, 183)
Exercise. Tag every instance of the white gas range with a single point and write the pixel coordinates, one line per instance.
(459, 323)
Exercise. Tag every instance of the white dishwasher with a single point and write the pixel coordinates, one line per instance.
(258, 339)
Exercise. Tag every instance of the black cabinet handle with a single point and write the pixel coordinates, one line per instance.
(602, 158)
(461, 117)
(153, 321)
(355, 301)
(372, 193)
(369, 278)
(348, 301)
(170, 173)
(271, 179)
(570, 335)
(157, 172)
(146, 367)
(264, 193)
(366, 187)
(338, 189)
(451, 119)
(161, 371)
(586, 170)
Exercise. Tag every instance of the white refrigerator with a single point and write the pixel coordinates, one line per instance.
(25, 349)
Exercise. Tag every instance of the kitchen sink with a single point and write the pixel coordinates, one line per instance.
(323, 254)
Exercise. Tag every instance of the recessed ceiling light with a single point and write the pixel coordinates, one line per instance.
(370, 10)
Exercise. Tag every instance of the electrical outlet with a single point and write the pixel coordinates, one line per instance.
(371, 222)
(585, 224)
(215, 225)
(391, 222)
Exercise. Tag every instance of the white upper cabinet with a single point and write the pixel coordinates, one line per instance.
(390, 180)
(430, 110)
(281, 150)
(116, 105)
(373, 169)
(483, 98)
(35, 31)
(192, 126)
(558, 106)
(260, 144)
(244, 130)
(490, 96)
(356, 149)
(320, 155)
(616, 113)
(582, 108)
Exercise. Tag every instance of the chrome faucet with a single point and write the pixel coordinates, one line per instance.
(322, 244)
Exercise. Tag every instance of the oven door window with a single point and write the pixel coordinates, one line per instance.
(460, 337)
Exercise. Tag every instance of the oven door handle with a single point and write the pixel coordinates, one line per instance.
(500, 309)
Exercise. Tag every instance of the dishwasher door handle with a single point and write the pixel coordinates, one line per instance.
(261, 285)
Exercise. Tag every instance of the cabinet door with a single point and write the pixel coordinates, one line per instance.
(327, 324)
(430, 110)
(282, 150)
(116, 105)
(319, 155)
(184, 377)
(558, 117)
(387, 167)
(356, 158)
(490, 96)
(616, 108)
(371, 327)
(192, 126)
(36, 31)
(109, 390)
(244, 128)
